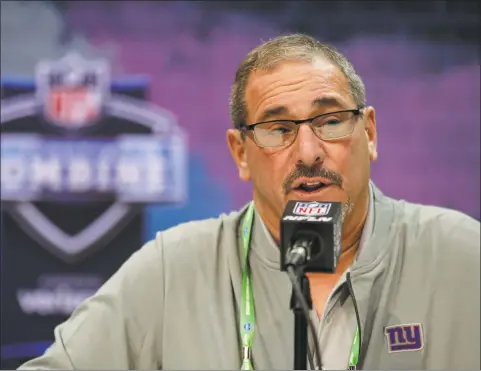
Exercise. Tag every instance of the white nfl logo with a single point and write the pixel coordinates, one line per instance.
(311, 208)
(73, 90)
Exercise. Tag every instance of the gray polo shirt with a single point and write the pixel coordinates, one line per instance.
(175, 303)
(336, 330)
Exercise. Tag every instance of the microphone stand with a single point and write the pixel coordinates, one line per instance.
(300, 322)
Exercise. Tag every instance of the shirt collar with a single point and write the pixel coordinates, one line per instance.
(366, 232)
(369, 224)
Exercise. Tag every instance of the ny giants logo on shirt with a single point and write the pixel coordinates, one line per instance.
(403, 338)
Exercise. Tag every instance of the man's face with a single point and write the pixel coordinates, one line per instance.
(296, 91)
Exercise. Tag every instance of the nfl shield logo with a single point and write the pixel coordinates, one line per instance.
(143, 162)
(72, 90)
(311, 208)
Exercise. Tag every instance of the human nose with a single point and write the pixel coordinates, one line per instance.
(309, 150)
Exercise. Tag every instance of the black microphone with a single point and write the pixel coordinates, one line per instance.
(311, 236)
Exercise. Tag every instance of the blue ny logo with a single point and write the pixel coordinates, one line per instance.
(401, 338)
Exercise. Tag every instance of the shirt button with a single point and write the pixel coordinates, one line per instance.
(328, 320)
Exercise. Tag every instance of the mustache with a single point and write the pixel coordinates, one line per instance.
(311, 172)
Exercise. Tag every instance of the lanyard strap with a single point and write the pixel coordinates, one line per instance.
(247, 310)
(247, 314)
(354, 356)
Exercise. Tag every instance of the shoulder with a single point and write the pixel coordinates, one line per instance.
(180, 247)
(440, 240)
(427, 229)
(172, 253)
(441, 228)
(186, 241)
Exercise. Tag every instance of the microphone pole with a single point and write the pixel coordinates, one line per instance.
(310, 242)
(301, 303)
(300, 322)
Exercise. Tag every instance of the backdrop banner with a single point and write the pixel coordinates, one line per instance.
(80, 157)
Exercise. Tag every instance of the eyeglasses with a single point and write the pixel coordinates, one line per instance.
(328, 126)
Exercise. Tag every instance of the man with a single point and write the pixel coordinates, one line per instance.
(302, 132)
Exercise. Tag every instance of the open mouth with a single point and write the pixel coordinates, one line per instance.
(311, 186)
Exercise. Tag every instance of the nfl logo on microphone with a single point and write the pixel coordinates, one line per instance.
(312, 208)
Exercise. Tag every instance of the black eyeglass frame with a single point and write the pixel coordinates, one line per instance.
(357, 112)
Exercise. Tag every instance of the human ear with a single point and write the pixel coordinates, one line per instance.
(237, 146)
(371, 131)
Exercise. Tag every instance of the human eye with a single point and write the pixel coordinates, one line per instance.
(278, 127)
(333, 119)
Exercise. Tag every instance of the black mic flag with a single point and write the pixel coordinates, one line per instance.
(315, 227)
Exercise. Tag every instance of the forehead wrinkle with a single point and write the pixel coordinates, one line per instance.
(269, 92)
(330, 78)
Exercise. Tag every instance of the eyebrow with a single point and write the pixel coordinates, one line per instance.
(272, 113)
(324, 102)
(328, 102)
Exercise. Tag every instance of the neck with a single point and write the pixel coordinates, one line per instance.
(270, 217)
(353, 225)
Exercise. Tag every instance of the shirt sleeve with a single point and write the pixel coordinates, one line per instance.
(117, 328)
(456, 300)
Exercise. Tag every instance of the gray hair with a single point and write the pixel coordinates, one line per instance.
(295, 47)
